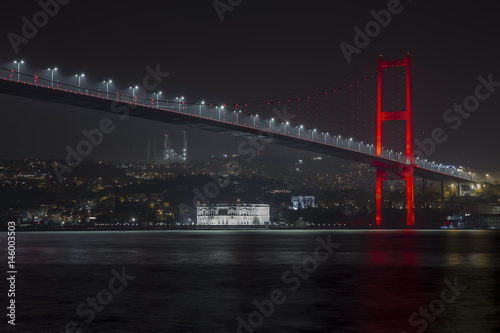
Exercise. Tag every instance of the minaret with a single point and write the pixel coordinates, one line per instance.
(166, 139)
(166, 145)
(185, 145)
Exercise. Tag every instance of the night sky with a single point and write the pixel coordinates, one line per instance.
(261, 50)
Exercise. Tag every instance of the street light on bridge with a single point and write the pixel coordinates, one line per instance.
(202, 103)
(300, 127)
(220, 108)
(79, 80)
(18, 68)
(133, 93)
(254, 118)
(158, 99)
(287, 123)
(107, 87)
(179, 99)
(237, 112)
(51, 70)
(271, 124)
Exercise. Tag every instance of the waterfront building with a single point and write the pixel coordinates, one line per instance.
(482, 216)
(231, 215)
(302, 202)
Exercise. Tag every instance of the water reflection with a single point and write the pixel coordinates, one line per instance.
(202, 281)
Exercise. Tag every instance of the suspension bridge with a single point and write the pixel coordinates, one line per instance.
(367, 120)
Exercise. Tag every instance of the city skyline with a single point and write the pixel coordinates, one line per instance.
(243, 166)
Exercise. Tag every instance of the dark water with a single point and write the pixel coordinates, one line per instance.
(203, 281)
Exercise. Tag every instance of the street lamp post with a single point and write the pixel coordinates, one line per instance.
(300, 127)
(271, 124)
(326, 134)
(19, 68)
(220, 108)
(254, 118)
(133, 93)
(158, 99)
(312, 134)
(79, 80)
(287, 123)
(107, 87)
(179, 101)
(349, 143)
(52, 75)
(237, 112)
(202, 102)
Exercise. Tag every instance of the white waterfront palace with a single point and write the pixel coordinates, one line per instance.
(246, 214)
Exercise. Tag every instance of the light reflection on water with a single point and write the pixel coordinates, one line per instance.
(201, 281)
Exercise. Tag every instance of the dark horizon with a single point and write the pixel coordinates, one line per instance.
(292, 48)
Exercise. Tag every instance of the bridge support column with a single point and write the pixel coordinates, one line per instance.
(391, 174)
(404, 172)
(410, 198)
(378, 197)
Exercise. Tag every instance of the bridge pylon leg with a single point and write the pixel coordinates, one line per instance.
(394, 173)
(404, 172)
(378, 198)
(410, 198)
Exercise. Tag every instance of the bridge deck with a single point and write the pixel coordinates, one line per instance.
(81, 100)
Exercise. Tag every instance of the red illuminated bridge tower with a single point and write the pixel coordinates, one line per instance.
(388, 172)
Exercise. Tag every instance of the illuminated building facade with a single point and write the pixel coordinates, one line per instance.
(231, 215)
(302, 202)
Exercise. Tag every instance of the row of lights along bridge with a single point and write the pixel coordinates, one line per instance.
(269, 125)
